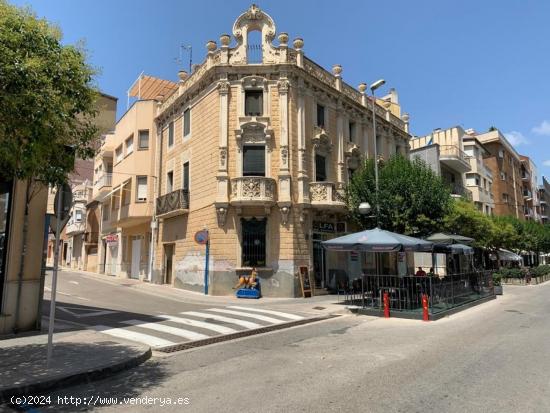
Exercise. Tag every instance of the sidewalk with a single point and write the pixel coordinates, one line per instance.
(77, 356)
(326, 304)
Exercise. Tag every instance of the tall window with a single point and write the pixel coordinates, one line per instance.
(253, 103)
(254, 161)
(130, 145)
(170, 134)
(185, 177)
(78, 215)
(351, 131)
(320, 168)
(118, 154)
(106, 210)
(141, 188)
(253, 242)
(169, 182)
(186, 122)
(320, 116)
(126, 192)
(143, 139)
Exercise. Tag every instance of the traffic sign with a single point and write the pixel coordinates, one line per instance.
(201, 237)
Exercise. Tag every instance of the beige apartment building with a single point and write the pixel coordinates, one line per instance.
(124, 182)
(74, 245)
(443, 151)
(480, 178)
(256, 146)
(505, 164)
(529, 179)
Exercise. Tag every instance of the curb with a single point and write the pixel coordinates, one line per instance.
(72, 379)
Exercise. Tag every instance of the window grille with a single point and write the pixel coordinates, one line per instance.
(253, 242)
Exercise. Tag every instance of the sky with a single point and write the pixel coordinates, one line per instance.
(462, 62)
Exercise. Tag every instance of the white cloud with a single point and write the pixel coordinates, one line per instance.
(546, 163)
(516, 138)
(542, 129)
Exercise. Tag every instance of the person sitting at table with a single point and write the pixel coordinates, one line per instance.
(420, 272)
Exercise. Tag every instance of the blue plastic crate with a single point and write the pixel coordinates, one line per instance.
(248, 293)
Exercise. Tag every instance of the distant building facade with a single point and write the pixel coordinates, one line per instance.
(529, 178)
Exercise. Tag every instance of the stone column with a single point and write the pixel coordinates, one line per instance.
(340, 146)
(303, 192)
(284, 201)
(222, 177)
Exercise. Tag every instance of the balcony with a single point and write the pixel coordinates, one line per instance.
(253, 191)
(103, 185)
(325, 195)
(454, 158)
(458, 191)
(74, 227)
(173, 204)
(525, 176)
(527, 194)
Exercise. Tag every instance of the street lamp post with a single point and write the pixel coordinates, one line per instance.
(373, 87)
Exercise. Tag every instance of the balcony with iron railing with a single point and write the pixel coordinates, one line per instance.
(453, 157)
(173, 203)
(253, 191)
(458, 191)
(326, 195)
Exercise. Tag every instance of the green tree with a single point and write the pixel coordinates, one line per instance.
(465, 219)
(413, 199)
(47, 105)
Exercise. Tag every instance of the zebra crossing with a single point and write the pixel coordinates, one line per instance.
(189, 326)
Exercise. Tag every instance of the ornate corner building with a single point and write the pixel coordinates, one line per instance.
(257, 145)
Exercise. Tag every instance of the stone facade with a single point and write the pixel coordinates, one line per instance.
(268, 143)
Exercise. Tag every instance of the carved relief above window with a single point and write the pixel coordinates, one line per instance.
(353, 155)
(254, 133)
(321, 141)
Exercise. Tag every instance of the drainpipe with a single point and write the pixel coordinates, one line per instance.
(156, 193)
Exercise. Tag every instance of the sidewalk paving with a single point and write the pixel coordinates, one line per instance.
(328, 303)
(77, 356)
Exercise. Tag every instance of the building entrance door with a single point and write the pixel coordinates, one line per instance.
(319, 262)
(113, 258)
(136, 258)
(168, 261)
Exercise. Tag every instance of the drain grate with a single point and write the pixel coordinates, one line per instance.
(240, 334)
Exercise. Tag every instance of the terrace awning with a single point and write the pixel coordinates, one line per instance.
(442, 238)
(378, 240)
(505, 255)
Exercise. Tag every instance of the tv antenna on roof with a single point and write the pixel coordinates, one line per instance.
(188, 49)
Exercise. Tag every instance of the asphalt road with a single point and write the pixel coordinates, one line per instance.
(492, 358)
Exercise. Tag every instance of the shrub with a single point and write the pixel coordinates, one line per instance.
(497, 279)
(511, 273)
(541, 270)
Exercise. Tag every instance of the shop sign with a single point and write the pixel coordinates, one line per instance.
(320, 226)
(111, 239)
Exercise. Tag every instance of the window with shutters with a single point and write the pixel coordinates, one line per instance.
(129, 145)
(185, 177)
(253, 105)
(320, 168)
(187, 123)
(141, 189)
(143, 139)
(171, 134)
(320, 116)
(169, 182)
(254, 160)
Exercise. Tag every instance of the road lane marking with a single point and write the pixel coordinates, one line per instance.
(175, 331)
(87, 313)
(133, 336)
(277, 313)
(242, 323)
(245, 314)
(208, 326)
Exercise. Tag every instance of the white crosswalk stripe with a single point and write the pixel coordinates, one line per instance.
(175, 331)
(202, 324)
(134, 336)
(242, 323)
(183, 327)
(261, 310)
(245, 314)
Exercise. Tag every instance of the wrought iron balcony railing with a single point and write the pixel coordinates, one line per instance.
(173, 203)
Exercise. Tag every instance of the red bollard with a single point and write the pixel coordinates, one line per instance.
(425, 313)
(386, 305)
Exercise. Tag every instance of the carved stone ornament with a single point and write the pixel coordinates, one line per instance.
(254, 133)
(321, 141)
(223, 157)
(285, 212)
(221, 214)
(318, 192)
(284, 155)
(223, 87)
(283, 85)
(353, 155)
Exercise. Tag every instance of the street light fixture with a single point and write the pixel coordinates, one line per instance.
(373, 87)
(364, 208)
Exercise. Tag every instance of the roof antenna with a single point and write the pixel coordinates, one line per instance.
(188, 49)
